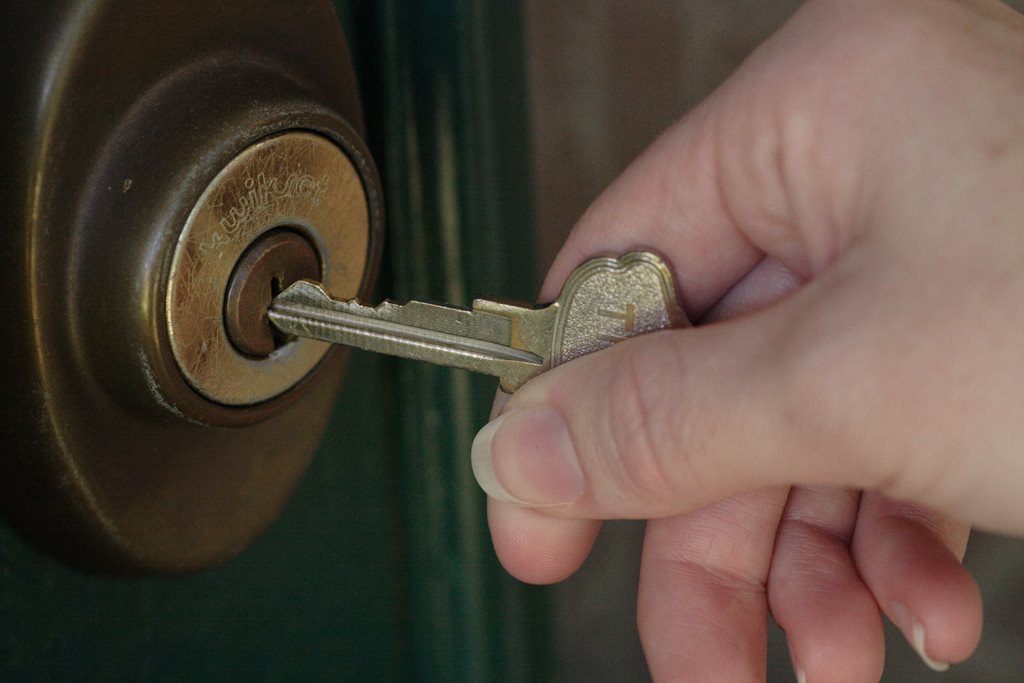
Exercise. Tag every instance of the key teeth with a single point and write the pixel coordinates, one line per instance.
(302, 289)
(310, 293)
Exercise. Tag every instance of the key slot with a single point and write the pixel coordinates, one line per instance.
(268, 266)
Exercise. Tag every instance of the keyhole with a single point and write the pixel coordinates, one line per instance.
(268, 267)
(280, 338)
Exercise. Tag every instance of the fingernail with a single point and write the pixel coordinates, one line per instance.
(527, 457)
(917, 635)
(918, 643)
(801, 676)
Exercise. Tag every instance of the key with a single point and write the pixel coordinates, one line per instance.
(604, 301)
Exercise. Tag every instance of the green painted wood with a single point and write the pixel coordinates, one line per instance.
(321, 596)
(444, 88)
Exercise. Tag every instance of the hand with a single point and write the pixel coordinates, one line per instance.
(846, 215)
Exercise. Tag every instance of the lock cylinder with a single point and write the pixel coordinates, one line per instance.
(288, 207)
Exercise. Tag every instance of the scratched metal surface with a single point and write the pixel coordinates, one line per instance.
(606, 78)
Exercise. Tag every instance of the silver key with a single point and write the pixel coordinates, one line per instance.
(604, 301)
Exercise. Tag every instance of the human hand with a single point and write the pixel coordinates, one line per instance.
(851, 201)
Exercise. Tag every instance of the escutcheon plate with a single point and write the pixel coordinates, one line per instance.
(122, 115)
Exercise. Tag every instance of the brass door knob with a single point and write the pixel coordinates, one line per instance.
(168, 162)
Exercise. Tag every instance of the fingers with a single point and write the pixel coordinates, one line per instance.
(713, 195)
(536, 548)
(675, 420)
(771, 163)
(667, 200)
(541, 552)
(784, 162)
(533, 547)
(907, 561)
(910, 559)
(701, 607)
(830, 618)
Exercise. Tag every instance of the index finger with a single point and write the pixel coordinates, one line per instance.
(668, 200)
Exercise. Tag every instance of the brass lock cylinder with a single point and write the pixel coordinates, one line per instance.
(302, 188)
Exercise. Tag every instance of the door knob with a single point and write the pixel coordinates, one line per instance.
(169, 166)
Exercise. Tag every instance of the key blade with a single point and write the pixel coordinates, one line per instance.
(306, 310)
(452, 320)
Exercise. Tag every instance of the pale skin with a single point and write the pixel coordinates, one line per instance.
(845, 220)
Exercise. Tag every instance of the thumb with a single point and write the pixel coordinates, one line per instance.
(669, 422)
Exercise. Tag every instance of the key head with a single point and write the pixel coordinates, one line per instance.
(604, 301)
(608, 300)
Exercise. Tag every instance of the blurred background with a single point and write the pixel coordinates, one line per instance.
(605, 78)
